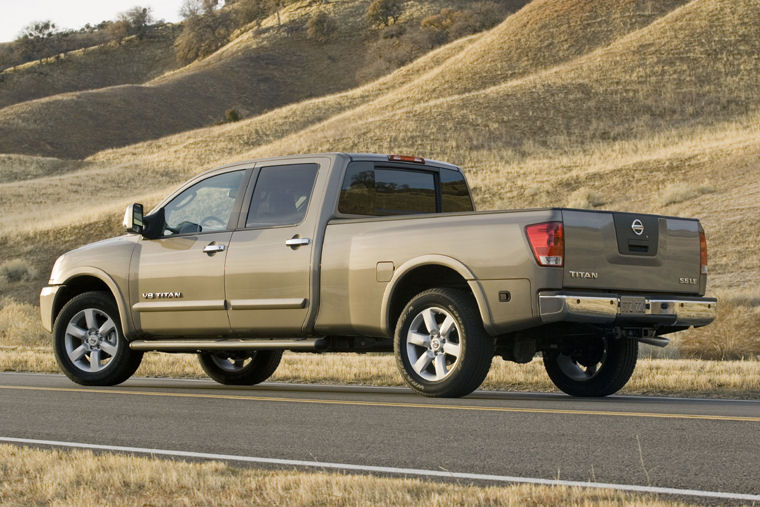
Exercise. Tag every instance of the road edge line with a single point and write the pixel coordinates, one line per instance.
(387, 470)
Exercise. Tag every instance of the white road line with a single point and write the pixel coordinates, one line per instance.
(389, 470)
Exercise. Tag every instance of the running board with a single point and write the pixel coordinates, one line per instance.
(306, 344)
(657, 341)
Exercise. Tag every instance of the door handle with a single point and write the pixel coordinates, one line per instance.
(212, 248)
(295, 242)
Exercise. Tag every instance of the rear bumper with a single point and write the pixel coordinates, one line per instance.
(622, 309)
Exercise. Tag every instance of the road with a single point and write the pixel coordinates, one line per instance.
(707, 445)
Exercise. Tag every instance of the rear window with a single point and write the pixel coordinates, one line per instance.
(382, 191)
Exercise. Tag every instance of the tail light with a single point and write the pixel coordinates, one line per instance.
(548, 243)
(702, 252)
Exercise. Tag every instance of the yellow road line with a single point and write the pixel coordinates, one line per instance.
(314, 401)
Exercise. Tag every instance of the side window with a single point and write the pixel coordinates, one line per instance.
(204, 207)
(454, 193)
(281, 195)
(387, 191)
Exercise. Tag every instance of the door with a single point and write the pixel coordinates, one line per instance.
(268, 275)
(180, 275)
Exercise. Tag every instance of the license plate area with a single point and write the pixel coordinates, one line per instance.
(632, 305)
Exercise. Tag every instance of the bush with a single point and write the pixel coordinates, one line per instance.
(384, 12)
(20, 324)
(321, 27)
(17, 270)
(203, 34)
(231, 115)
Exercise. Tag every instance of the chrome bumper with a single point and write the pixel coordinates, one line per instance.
(626, 310)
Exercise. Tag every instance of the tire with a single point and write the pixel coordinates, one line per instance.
(453, 358)
(240, 368)
(89, 344)
(599, 367)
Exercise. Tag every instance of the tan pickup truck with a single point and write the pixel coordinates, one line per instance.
(374, 253)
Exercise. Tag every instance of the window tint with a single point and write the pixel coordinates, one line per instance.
(386, 191)
(357, 197)
(454, 193)
(281, 195)
(204, 207)
(399, 192)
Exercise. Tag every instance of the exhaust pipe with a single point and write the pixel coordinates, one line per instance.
(306, 344)
(657, 341)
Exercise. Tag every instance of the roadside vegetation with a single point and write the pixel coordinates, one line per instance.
(31, 476)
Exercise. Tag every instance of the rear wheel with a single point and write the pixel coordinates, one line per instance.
(596, 367)
(240, 368)
(89, 345)
(440, 345)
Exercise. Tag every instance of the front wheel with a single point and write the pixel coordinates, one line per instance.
(440, 345)
(596, 367)
(240, 368)
(89, 345)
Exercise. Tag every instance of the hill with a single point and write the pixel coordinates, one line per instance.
(263, 68)
(133, 60)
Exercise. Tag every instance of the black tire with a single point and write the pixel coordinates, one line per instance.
(108, 356)
(240, 368)
(598, 367)
(463, 373)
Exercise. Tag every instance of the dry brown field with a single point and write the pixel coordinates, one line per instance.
(53, 477)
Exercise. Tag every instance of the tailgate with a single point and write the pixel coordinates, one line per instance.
(631, 252)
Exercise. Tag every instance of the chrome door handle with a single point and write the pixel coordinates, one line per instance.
(297, 242)
(213, 248)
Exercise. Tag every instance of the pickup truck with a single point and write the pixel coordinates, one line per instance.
(374, 253)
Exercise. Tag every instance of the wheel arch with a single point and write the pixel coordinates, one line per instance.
(93, 279)
(428, 272)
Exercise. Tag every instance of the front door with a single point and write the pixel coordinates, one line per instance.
(268, 273)
(180, 275)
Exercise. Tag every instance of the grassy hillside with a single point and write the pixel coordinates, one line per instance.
(632, 105)
(264, 68)
(132, 61)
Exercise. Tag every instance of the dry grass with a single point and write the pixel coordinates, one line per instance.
(132, 61)
(664, 377)
(53, 477)
(683, 191)
(264, 68)
(16, 270)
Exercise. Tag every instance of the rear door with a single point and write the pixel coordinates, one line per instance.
(631, 252)
(269, 271)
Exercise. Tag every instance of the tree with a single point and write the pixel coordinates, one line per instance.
(135, 21)
(384, 12)
(35, 40)
(194, 8)
(202, 34)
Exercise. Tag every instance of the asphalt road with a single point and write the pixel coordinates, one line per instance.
(666, 442)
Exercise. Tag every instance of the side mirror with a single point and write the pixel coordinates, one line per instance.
(133, 219)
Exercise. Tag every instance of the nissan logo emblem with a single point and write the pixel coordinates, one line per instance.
(637, 227)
